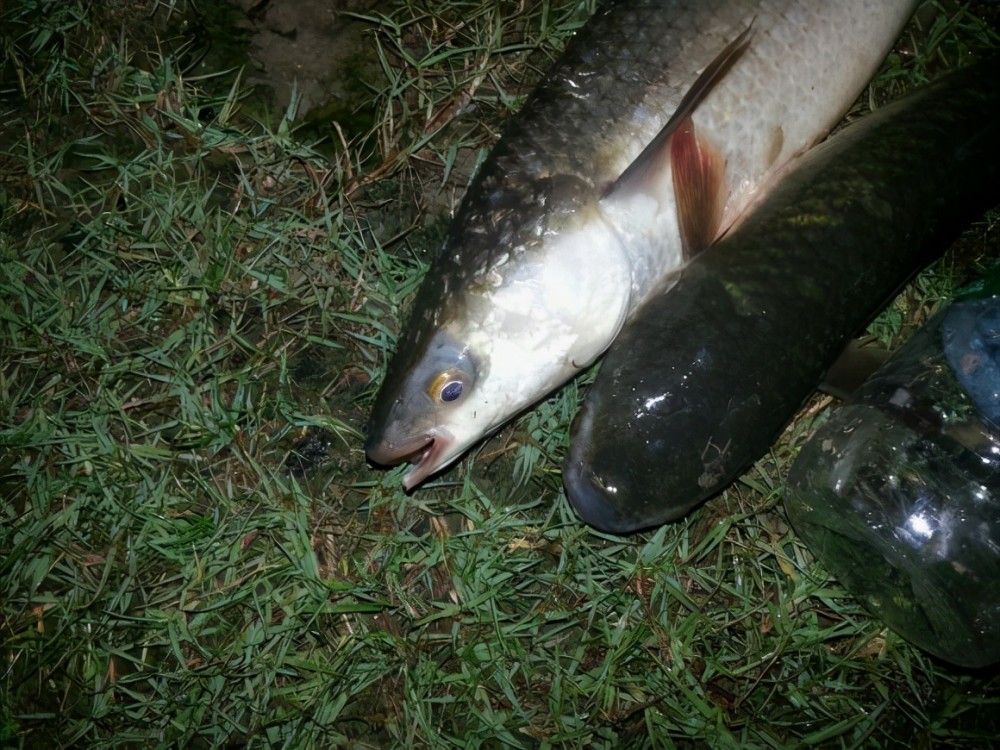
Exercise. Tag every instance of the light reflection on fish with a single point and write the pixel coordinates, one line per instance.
(658, 127)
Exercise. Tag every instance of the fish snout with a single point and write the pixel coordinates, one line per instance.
(385, 452)
(427, 452)
(592, 493)
(591, 500)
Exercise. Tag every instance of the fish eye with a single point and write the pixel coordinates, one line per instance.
(451, 391)
(447, 387)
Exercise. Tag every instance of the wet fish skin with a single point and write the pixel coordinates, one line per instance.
(543, 264)
(703, 378)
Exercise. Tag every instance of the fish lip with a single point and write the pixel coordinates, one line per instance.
(425, 452)
(428, 462)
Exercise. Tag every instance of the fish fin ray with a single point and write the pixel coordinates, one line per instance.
(641, 174)
(699, 177)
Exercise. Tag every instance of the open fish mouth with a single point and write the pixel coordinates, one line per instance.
(426, 453)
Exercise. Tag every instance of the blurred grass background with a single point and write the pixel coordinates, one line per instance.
(197, 300)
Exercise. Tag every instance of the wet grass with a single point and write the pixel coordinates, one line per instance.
(195, 310)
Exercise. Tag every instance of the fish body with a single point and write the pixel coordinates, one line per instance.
(705, 376)
(661, 123)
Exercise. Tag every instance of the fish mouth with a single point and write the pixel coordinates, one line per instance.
(427, 453)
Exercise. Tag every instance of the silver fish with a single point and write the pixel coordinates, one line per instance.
(659, 126)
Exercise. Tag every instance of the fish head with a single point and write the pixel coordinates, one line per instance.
(419, 416)
(525, 295)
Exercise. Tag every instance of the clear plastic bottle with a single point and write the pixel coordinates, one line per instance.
(898, 495)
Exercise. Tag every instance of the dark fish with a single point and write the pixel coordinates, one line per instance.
(706, 375)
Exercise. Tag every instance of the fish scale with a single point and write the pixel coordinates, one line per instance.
(706, 375)
(572, 222)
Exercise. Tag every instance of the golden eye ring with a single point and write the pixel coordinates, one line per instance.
(446, 388)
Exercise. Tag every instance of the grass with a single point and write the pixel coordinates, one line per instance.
(195, 310)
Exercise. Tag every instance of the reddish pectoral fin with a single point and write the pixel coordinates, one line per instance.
(698, 169)
(699, 188)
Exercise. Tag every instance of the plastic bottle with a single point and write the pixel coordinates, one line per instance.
(898, 495)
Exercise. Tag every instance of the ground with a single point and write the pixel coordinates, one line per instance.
(199, 289)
